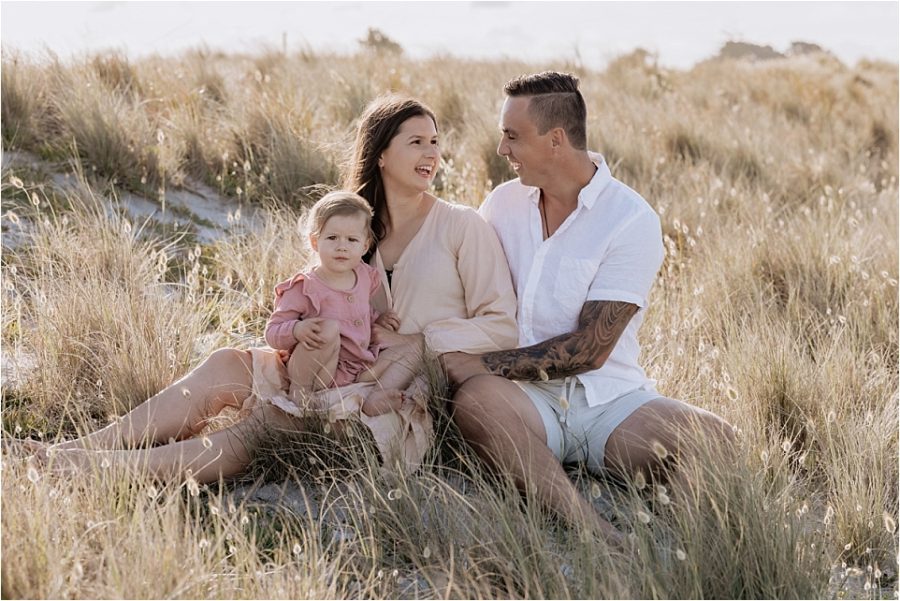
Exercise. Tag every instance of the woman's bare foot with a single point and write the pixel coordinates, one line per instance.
(22, 447)
(382, 401)
(33, 446)
(53, 460)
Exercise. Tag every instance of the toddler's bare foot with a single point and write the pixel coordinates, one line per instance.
(382, 401)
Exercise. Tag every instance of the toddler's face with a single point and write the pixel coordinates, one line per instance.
(342, 242)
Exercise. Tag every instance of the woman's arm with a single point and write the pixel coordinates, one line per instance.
(489, 296)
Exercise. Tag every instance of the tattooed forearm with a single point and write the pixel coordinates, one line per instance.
(599, 326)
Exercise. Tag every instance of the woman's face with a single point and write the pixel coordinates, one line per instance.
(411, 160)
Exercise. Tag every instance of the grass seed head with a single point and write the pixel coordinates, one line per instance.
(640, 481)
(659, 450)
(192, 486)
(889, 523)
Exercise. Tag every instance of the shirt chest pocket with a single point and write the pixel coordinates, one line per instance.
(573, 280)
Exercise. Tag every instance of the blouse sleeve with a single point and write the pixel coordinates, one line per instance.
(291, 305)
(489, 296)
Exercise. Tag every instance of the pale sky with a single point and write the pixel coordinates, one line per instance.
(682, 33)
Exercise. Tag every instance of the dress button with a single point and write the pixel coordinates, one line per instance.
(349, 298)
(357, 322)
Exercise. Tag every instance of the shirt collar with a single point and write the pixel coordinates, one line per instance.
(589, 194)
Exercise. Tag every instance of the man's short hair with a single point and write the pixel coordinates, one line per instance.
(555, 102)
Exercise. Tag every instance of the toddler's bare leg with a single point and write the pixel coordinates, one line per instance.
(311, 370)
(181, 409)
(395, 367)
(393, 372)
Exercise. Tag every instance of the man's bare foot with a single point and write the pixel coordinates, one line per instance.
(382, 401)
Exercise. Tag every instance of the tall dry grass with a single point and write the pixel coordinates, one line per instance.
(776, 307)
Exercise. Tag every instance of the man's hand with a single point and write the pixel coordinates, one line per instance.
(459, 367)
(389, 321)
(307, 332)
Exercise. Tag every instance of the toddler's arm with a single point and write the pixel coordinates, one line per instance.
(290, 308)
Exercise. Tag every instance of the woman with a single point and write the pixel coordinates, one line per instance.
(443, 272)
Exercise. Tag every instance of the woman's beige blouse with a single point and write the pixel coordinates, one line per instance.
(452, 283)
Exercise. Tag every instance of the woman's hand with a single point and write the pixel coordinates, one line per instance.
(386, 338)
(459, 367)
(388, 320)
(307, 333)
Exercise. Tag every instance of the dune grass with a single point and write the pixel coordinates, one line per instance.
(776, 307)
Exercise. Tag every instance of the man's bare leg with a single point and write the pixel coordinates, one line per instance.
(664, 428)
(311, 370)
(180, 410)
(504, 427)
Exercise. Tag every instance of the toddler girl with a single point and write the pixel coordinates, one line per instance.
(323, 316)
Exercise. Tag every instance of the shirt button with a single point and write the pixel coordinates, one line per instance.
(357, 322)
(349, 298)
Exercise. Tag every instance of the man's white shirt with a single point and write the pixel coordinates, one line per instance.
(609, 249)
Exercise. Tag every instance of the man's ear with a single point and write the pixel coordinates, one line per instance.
(557, 137)
(314, 241)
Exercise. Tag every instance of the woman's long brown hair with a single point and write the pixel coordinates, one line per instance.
(378, 126)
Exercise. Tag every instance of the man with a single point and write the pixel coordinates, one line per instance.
(584, 250)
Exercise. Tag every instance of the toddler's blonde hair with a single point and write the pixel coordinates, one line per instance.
(339, 202)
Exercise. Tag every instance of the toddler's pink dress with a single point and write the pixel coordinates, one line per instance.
(401, 436)
(306, 295)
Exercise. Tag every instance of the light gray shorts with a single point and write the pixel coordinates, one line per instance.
(579, 433)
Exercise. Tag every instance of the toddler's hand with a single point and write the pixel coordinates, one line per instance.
(308, 332)
(389, 320)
